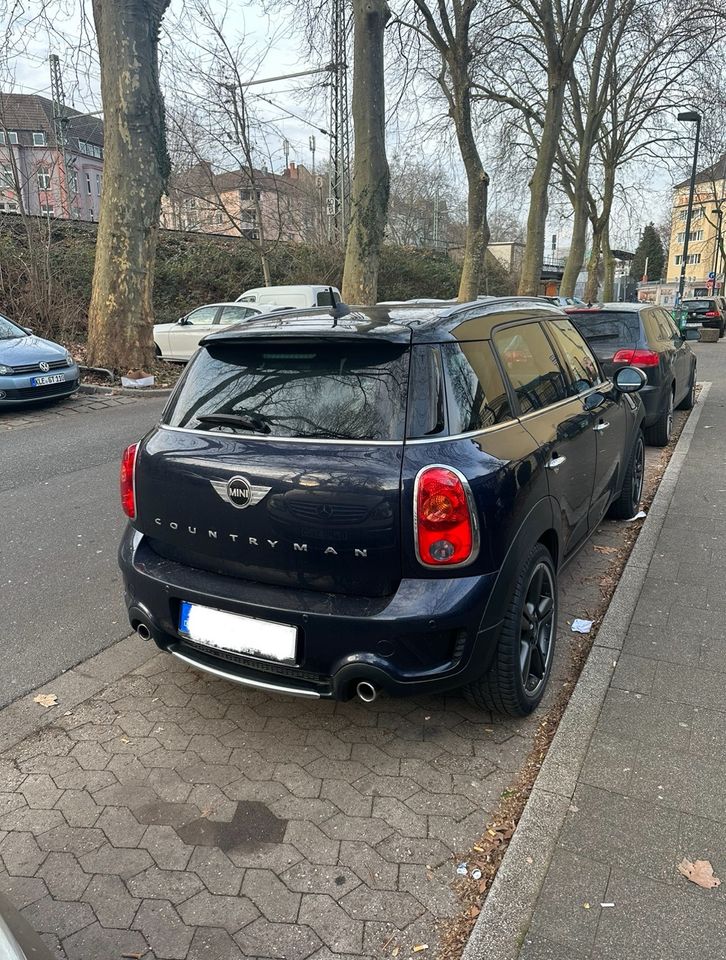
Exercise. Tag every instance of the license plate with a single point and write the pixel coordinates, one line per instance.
(234, 633)
(44, 381)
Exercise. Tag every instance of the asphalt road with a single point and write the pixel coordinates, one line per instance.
(60, 524)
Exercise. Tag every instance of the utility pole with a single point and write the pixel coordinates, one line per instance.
(286, 149)
(436, 219)
(311, 144)
(689, 116)
(60, 122)
(339, 175)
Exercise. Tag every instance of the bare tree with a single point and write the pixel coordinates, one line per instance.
(371, 178)
(136, 168)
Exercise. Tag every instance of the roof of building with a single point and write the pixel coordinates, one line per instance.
(717, 171)
(201, 180)
(31, 112)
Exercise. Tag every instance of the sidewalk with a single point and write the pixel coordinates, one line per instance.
(636, 777)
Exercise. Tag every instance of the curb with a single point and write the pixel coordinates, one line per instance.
(125, 391)
(23, 717)
(501, 926)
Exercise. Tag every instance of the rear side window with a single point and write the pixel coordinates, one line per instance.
(531, 365)
(426, 403)
(475, 392)
(333, 391)
(581, 364)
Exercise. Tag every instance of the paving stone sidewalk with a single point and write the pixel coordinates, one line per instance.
(177, 816)
(653, 787)
(21, 416)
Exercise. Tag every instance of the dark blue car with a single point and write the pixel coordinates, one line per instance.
(336, 504)
(32, 368)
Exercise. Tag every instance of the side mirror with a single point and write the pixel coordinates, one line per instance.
(28, 331)
(182, 321)
(630, 379)
(691, 333)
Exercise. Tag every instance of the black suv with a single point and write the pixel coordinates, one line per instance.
(645, 336)
(705, 312)
(336, 504)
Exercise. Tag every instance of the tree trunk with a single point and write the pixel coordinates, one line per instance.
(578, 244)
(369, 201)
(593, 264)
(477, 226)
(136, 169)
(539, 185)
(608, 292)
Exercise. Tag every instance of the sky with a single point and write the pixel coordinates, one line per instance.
(283, 108)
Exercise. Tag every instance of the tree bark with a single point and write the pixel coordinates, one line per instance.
(371, 179)
(578, 244)
(136, 169)
(539, 185)
(608, 291)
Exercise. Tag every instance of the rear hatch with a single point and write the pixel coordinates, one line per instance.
(607, 332)
(280, 462)
(701, 311)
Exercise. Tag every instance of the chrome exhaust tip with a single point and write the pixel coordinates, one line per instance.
(366, 691)
(143, 632)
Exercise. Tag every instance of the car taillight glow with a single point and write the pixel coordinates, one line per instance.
(710, 313)
(128, 480)
(638, 358)
(446, 527)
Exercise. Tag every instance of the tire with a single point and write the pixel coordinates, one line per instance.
(660, 433)
(503, 688)
(157, 351)
(627, 504)
(689, 401)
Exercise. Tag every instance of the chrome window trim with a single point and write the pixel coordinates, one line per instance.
(267, 438)
(475, 527)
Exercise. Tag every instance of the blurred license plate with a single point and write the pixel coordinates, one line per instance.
(233, 633)
(44, 381)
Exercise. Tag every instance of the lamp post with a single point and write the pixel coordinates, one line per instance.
(717, 243)
(689, 116)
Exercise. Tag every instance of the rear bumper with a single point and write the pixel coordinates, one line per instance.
(426, 637)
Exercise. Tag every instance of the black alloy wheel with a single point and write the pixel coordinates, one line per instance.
(537, 630)
(628, 503)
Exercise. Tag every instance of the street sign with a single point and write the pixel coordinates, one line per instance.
(711, 275)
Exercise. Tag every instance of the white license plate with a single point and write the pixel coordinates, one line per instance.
(44, 381)
(234, 633)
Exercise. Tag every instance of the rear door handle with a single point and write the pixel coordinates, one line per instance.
(603, 425)
(556, 462)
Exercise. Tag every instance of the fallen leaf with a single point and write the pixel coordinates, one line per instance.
(125, 740)
(700, 873)
(46, 699)
(474, 911)
(586, 906)
(395, 951)
(420, 947)
(600, 549)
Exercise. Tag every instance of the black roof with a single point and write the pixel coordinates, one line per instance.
(394, 322)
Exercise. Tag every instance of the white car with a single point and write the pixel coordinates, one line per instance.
(179, 340)
(291, 296)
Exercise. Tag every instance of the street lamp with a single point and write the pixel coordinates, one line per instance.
(717, 245)
(689, 116)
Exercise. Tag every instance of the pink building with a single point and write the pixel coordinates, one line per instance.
(35, 177)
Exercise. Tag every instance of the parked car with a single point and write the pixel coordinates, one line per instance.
(179, 340)
(706, 313)
(300, 296)
(32, 368)
(18, 940)
(335, 504)
(646, 336)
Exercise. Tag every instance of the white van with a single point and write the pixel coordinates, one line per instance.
(302, 296)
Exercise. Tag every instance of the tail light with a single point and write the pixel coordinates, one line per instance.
(710, 313)
(128, 480)
(638, 358)
(446, 526)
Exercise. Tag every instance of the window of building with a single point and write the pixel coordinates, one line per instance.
(12, 137)
(219, 218)
(693, 236)
(248, 195)
(47, 210)
(98, 184)
(692, 258)
(477, 397)
(8, 206)
(531, 366)
(39, 140)
(73, 181)
(43, 178)
(7, 178)
(88, 184)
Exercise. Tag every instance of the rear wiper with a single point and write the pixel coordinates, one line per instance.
(255, 424)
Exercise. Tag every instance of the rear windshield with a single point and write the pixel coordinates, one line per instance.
(698, 306)
(332, 391)
(606, 330)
